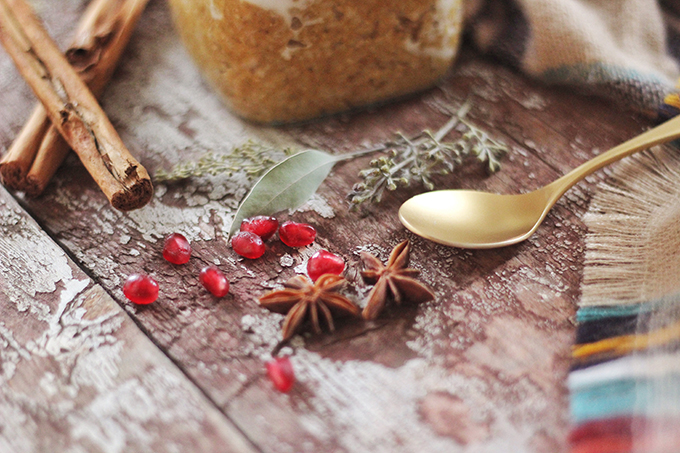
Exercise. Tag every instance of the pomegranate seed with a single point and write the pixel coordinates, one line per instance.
(262, 225)
(297, 234)
(214, 281)
(141, 289)
(247, 244)
(176, 249)
(280, 372)
(324, 262)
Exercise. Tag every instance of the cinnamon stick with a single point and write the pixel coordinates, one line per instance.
(17, 161)
(103, 33)
(72, 108)
(50, 155)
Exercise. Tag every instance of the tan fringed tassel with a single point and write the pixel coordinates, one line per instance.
(633, 241)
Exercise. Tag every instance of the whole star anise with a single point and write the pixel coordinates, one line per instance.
(392, 281)
(301, 298)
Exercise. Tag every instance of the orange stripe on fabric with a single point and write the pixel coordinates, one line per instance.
(628, 343)
(672, 100)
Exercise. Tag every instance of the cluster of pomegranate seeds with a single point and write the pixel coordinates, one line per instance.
(254, 231)
(214, 281)
(248, 245)
(262, 225)
(141, 289)
(324, 262)
(280, 372)
(297, 234)
(176, 249)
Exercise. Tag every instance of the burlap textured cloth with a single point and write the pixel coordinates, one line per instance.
(625, 380)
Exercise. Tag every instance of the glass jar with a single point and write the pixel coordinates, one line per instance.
(279, 61)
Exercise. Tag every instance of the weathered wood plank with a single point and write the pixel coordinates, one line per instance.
(480, 368)
(77, 373)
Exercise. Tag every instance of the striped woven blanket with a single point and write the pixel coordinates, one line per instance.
(625, 381)
(627, 50)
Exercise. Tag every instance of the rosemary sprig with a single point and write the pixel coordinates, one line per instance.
(298, 176)
(250, 158)
(424, 156)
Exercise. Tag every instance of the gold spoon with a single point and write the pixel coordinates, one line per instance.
(481, 220)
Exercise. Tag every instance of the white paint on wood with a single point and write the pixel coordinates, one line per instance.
(76, 373)
(29, 258)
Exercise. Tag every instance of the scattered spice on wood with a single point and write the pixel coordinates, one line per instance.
(281, 373)
(324, 262)
(71, 108)
(141, 289)
(301, 299)
(214, 280)
(295, 234)
(263, 225)
(176, 248)
(394, 281)
(248, 245)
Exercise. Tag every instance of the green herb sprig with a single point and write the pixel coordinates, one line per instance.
(424, 156)
(292, 181)
(251, 158)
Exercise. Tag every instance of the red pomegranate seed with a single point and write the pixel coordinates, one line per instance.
(176, 249)
(262, 225)
(141, 289)
(324, 262)
(247, 244)
(297, 234)
(214, 281)
(280, 372)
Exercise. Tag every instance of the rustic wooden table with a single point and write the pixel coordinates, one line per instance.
(482, 368)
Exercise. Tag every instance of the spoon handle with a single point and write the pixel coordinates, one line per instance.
(663, 133)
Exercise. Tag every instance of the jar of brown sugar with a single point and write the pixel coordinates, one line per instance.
(278, 61)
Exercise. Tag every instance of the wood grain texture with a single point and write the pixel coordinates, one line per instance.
(479, 369)
(77, 373)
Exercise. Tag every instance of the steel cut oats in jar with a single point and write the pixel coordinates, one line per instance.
(277, 61)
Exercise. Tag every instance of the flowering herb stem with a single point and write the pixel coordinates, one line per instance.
(250, 159)
(422, 157)
(297, 177)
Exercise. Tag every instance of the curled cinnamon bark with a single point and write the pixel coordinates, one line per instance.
(15, 164)
(67, 101)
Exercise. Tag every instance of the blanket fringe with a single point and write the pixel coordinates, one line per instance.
(633, 243)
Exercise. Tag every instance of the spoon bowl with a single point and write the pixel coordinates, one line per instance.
(479, 220)
(470, 219)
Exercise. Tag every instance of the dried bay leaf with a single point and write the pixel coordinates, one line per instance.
(287, 185)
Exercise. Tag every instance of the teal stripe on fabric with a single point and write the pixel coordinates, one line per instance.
(599, 72)
(596, 313)
(603, 401)
(669, 304)
(651, 397)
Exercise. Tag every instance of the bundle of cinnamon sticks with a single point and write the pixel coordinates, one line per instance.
(69, 116)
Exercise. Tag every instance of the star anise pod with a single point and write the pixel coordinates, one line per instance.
(301, 298)
(393, 281)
